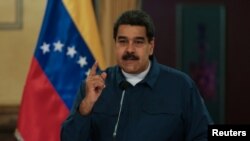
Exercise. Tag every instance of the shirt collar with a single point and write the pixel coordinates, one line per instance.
(153, 73)
(136, 78)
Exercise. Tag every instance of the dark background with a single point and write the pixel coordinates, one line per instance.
(237, 49)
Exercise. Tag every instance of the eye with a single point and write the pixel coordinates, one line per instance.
(138, 42)
(122, 41)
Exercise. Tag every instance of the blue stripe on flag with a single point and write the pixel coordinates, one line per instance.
(65, 66)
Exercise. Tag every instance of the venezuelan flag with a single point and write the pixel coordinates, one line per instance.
(67, 47)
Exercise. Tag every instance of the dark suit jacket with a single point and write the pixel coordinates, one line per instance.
(165, 106)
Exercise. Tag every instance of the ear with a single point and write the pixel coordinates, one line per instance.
(152, 46)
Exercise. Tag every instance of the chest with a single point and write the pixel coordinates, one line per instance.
(146, 114)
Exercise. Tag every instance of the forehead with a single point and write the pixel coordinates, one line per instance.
(131, 31)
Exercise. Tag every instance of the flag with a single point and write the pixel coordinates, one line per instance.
(67, 47)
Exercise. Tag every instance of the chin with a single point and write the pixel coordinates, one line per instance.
(129, 68)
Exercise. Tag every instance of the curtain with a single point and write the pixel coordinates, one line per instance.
(108, 11)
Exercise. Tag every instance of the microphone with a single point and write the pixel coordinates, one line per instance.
(123, 85)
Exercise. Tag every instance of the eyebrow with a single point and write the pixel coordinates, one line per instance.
(121, 37)
(124, 37)
(140, 38)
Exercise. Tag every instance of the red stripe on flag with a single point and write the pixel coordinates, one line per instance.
(42, 110)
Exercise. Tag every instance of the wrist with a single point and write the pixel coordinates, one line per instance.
(85, 107)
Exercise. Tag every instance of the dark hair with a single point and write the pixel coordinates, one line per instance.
(136, 17)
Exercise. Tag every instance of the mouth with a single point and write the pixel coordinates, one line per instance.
(129, 61)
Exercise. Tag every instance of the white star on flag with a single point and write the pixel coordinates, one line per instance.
(45, 48)
(82, 61)
(58, 46)
(71, 51)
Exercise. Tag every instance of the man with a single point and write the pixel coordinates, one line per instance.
(138, 99)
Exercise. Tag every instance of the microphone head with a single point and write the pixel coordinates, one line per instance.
(124, 85)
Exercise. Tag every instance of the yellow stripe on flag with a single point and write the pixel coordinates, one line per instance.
(82, 13)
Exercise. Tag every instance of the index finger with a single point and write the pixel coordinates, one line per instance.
(93, 69)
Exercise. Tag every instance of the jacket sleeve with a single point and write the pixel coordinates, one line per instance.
(197, 117)
(76, 127)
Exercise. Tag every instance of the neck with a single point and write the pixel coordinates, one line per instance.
(136, 78)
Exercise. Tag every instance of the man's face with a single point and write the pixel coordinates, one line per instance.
(132, 48)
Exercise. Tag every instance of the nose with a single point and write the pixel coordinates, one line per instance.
(130, 47)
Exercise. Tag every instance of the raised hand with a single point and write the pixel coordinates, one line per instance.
(94, 85)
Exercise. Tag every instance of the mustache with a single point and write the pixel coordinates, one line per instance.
(130, 56)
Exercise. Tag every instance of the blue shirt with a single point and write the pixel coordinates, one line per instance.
(164, 106)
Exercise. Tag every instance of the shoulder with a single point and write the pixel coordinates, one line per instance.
(174, 75)
(113, 73)
(111, 69)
